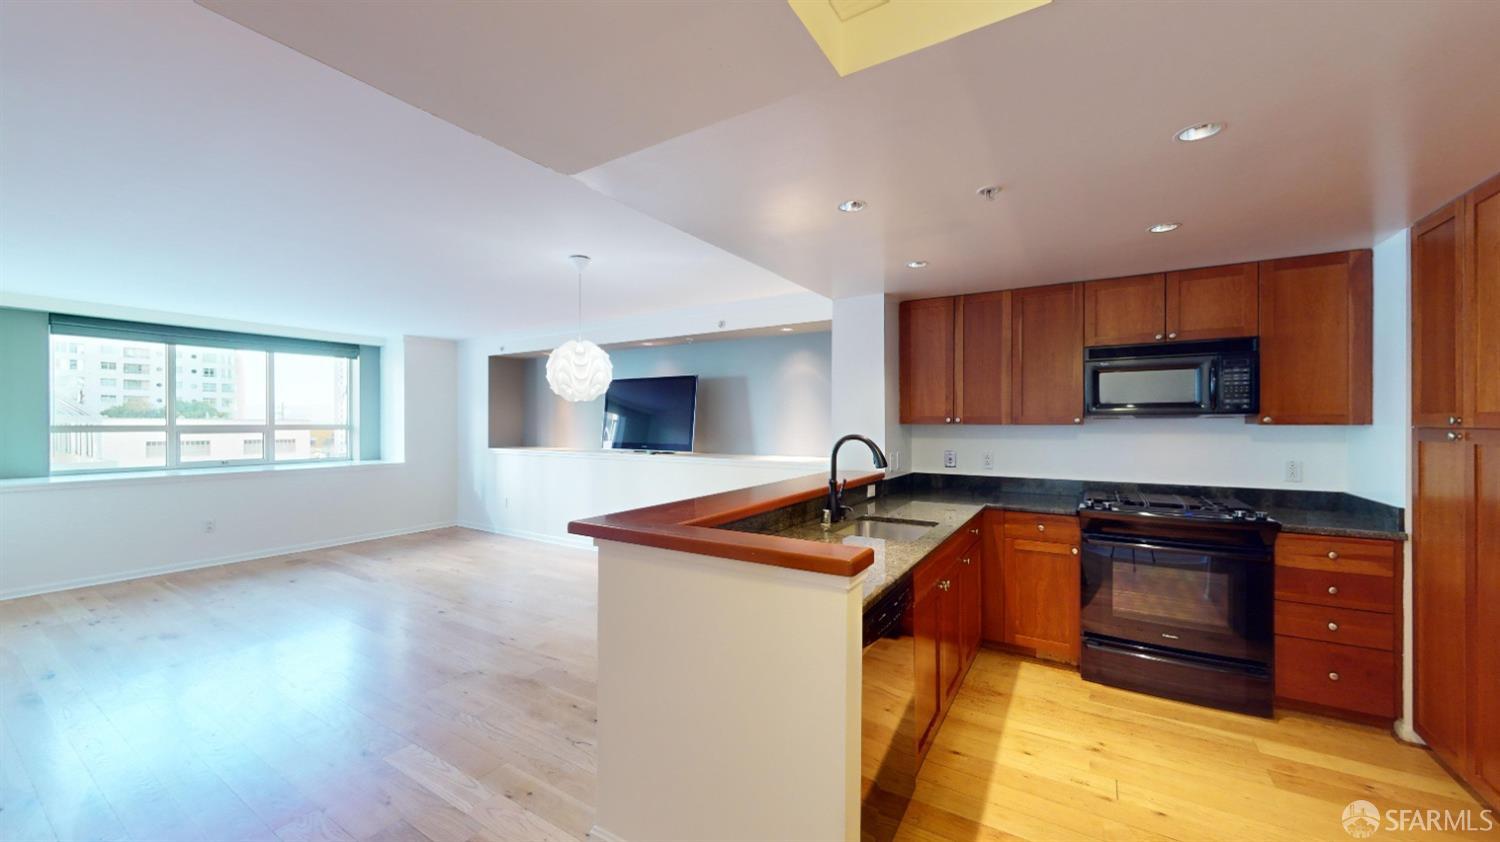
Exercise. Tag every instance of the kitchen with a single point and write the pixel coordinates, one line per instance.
(1259, 601)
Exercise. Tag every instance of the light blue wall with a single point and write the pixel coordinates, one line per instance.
(23, 393)
(766, 395)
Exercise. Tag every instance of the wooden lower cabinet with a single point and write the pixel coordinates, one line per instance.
(1031, 584)
(1338, 625)
(946, 602)
(1456, 602)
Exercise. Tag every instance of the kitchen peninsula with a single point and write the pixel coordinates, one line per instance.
(741, 608)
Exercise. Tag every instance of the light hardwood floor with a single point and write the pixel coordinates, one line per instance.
(441, 687)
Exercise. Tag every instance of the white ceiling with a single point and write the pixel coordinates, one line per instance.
(157, 155)
(1346, 122)
(566, 84)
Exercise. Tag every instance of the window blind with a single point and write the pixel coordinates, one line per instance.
(143, 332)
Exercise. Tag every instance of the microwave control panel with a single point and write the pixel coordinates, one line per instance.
(1238, 389)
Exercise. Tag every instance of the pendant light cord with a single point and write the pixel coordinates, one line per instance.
(580, 303)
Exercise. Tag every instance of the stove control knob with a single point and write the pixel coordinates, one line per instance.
(1262, 516)
(1239, 514)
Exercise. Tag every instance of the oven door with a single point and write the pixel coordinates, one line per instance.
(1150, 385)
(1204, 599)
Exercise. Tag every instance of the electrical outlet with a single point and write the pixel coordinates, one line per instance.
(895, 462)
(870, 491)
(209, 526)
(1293, 470)
(950, 459)
(989, 461)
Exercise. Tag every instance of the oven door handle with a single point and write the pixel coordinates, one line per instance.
(1206, 549)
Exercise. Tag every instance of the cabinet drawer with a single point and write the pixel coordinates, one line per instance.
(1345, 555)
(1059, 528)
(1344, 677)
(1338, 590)
(942, 562)
(1369, 629)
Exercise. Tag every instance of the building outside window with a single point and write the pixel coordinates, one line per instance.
(304, 402)
(106, 366)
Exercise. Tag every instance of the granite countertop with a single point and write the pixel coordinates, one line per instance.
(1334, 523)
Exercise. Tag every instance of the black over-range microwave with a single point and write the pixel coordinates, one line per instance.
(1221, 377)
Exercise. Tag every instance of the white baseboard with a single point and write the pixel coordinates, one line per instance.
(178, 567)
(577, 542)
(599, 833)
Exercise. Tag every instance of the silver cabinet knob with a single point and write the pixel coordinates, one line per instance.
(1454, 420)
(1158, 336)
(1333, 676)
(1075, 551)
(945, 584)
(964, 560)
(957, 420)
(1333, 626)
(1452, 436)
(1333, 590)
(1077, 420)
(1265, 419)
(947, 420)
(974, 531)
(1332, 554)
(1172, 335)
(1041, 527)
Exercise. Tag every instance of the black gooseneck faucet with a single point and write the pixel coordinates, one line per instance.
(836, 506)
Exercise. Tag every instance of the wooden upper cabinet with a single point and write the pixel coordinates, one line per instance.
(1316, 350)
(1047, 355)
(927, 348)
(1436, 318)
(1482, 247)
(983, 360)
(1219, 302)
(1124, 311)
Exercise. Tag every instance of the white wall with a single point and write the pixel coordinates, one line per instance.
(535, 492)
(1377, 453)
(1202, 451)
(74, 532)
(765, 395)
(729, 699)
(866, 349)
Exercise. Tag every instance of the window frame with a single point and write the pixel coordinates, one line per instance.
(174, 431)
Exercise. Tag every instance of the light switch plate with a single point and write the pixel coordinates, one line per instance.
(989, 461)
(950, 459)
(1293, 470)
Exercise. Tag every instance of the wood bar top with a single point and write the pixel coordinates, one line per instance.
(688, 526)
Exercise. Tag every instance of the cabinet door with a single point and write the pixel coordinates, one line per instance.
(1483, 301)
(1440, 588)
(1486, 603)
(991, 578)
(983, 363)
(1436, 305)
(1214, 303)
(928, 692)
(1046, 385)
(1124, 311)
(969, 603)
(950, 648)
(927, 361)
(1041, 597)
(1315, 339)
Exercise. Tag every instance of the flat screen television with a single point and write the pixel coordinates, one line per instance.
(651, 413)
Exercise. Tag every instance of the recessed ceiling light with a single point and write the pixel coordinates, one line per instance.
(852, 206)
(786, 330)
(989, 192)
(916, 264)
(1164, 227)
(1202, 131)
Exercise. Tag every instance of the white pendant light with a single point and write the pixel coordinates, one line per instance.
(579, 370)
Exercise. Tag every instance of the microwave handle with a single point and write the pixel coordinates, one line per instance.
(1213, 385)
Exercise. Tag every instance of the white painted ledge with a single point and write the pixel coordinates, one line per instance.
(126, 478)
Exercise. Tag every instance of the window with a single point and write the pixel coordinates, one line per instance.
(196, 415)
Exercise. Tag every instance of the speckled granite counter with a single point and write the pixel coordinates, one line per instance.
(951, 501)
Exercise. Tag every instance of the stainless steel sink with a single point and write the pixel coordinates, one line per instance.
(889, 528)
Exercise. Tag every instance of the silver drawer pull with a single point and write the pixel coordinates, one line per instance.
(1332, 554)
(964, 560)
(1075, 551)
(1333, 626)
(974, 531)
(1333, 676)
(1041, 527)
(1333, 590)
